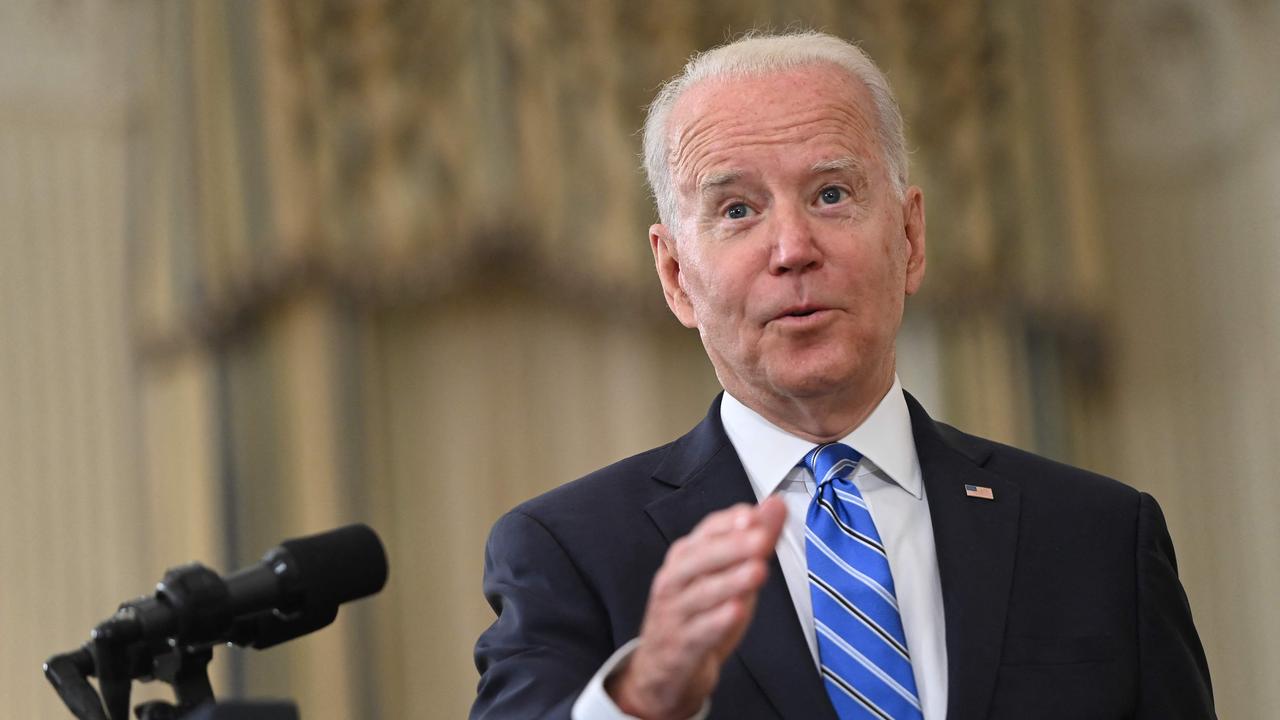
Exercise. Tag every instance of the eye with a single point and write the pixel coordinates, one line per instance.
(737, 211)
(831, 195)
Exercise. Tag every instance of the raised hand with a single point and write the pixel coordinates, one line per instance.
(700, 604)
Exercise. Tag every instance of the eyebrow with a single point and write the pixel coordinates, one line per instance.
(728, 177)
(837, 164)
(718, 179)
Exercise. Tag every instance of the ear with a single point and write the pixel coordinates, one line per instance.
(666, 258)
(913, 228)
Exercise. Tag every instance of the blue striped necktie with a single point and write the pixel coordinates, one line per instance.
(861, 646)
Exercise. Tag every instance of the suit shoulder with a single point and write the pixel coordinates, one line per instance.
(1037, 472)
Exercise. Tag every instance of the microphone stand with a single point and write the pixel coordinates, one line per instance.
(116, 659)
(186, 670)
(169, 636)
(119, 653)
(68, 673)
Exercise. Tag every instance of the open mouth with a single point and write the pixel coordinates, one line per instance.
(802, 313)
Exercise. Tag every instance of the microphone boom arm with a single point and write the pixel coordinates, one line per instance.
(170, 635)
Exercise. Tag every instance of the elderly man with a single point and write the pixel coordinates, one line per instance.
(818, 547)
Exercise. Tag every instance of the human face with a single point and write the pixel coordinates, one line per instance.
(793, 254)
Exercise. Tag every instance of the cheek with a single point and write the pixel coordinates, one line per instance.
(702, 289)
(892, 252)
(714, 288)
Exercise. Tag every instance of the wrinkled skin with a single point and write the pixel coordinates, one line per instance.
(793, 256)
(786, 205)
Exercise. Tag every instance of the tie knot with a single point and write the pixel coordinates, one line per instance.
(832, 461)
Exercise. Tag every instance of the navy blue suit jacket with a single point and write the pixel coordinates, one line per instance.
(1061, 595)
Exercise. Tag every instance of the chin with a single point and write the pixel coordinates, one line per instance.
(809, 382)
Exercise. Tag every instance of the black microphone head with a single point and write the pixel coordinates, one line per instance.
(337, 566)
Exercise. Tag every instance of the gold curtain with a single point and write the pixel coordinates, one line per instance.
(405, 270)
(368, 242)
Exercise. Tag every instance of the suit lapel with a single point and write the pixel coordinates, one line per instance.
(706, 476)
(976, 541)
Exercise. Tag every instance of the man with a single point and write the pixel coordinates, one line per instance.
(818, 547)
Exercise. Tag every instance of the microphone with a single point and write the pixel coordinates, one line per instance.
(296, 589)
(169, 635)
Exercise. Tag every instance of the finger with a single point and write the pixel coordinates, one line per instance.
(707, 633)
(772, 515)
(729, 537)
(725, 626)
(691, 558)
(737, 517)
(732, 636)
(713, 589)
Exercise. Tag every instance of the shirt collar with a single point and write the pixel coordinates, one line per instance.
(769, 453)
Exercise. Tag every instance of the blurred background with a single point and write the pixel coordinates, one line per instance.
(270, 267)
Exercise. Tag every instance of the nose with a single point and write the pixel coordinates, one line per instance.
(795, 248)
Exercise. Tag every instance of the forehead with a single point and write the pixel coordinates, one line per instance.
(802, 115)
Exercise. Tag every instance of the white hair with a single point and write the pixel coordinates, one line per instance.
(760, 54)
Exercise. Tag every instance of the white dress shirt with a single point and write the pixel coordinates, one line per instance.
(889, 479)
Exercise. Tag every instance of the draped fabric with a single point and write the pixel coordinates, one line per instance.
(411, 229)
(347, 245)
(396, 154)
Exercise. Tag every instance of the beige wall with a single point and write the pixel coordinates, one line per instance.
(266, 268)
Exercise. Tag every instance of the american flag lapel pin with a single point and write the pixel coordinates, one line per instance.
(979, 491)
